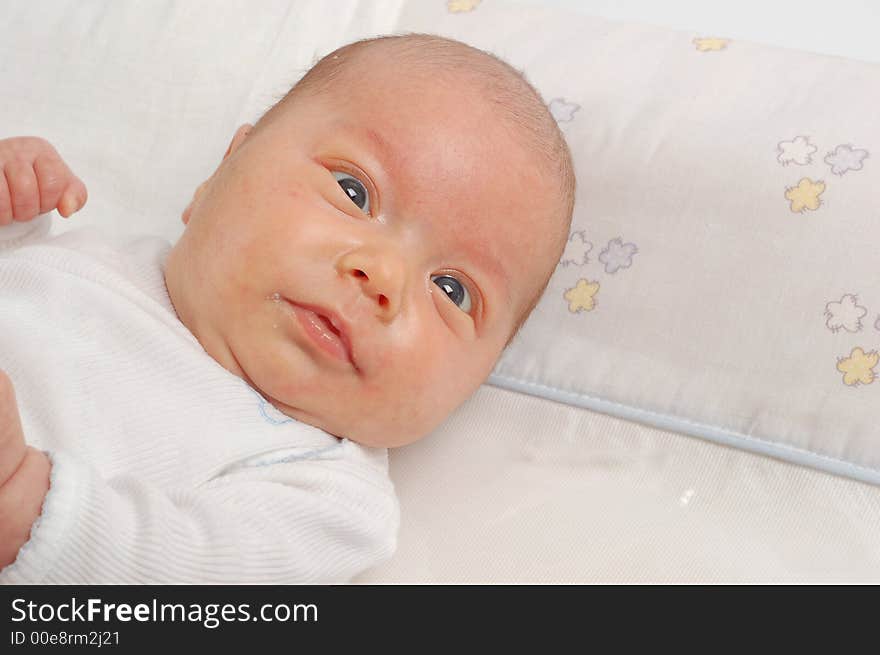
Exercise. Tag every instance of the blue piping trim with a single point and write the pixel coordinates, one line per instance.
(701, 430)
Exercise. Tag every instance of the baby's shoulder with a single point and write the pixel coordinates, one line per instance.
(115, 251)
(127, 263)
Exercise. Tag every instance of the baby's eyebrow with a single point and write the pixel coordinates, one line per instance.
(374, 140)
(487, 262)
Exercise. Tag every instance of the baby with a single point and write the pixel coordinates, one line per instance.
(220, 410)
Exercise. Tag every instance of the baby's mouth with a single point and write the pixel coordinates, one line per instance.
(328, 324)
(324, 331)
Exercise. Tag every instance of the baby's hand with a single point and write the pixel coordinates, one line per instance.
(24, 478)
(36, 180)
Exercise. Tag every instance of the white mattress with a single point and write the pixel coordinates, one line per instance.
(516, 489)
(142, 100)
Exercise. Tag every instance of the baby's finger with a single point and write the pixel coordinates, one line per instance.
(23, 190)
(53, 177)
(5, 202)
(73, 198)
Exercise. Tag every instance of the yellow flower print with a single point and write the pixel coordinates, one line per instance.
(707, 45)
(580, 296)
(458, 6)
(805, 195)
(858, 368)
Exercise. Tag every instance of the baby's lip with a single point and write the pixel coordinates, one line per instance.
(338, 324)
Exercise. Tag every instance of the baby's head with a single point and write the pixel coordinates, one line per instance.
(415, 190)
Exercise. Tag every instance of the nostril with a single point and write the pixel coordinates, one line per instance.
(383, 299)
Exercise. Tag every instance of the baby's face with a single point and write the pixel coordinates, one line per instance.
(404, 210)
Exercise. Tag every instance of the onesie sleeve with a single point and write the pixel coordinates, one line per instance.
(321, 520)
(18, 234)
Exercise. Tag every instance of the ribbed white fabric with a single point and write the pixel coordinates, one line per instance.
(165, 466)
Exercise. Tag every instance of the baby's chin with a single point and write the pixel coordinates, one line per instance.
(376, 436)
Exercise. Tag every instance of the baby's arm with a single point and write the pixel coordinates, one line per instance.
(24, 477)
(36, 180)
(285, 523)
(33, 180)
(324, 519)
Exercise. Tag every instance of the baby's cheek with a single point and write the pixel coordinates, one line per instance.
(401, 375)
(398, 420)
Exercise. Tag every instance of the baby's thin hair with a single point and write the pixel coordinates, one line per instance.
(506, 87)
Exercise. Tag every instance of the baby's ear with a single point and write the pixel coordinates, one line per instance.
(186, 212)
(238, 138)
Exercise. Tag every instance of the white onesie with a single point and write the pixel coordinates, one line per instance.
(166, 467)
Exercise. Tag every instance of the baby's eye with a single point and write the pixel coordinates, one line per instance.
(456, 291)
(354, 189)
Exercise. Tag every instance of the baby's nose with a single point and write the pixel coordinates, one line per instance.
(381, 276)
